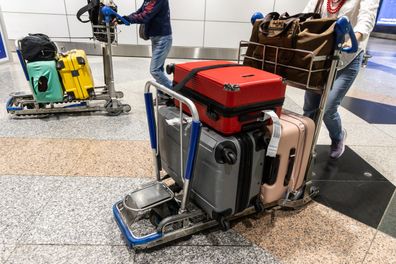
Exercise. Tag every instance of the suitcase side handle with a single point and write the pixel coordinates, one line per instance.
(195, 71)
(270, 170)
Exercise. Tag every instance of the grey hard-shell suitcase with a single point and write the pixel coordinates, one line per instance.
(228, 170)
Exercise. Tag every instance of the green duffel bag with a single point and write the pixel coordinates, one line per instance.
(45, 81)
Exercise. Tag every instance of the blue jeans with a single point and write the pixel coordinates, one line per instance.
(342, 83)
(161, 46)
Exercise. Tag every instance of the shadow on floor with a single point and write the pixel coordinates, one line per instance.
(351, 186)
(371, 112)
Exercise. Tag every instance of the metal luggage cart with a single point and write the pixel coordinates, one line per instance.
(136, 213)
(342, 28)
(103, 99)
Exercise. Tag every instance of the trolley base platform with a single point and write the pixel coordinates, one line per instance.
(22, 104)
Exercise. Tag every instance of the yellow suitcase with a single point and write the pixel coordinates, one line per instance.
(76, 75)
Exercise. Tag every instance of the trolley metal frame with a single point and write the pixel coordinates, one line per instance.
(136, 204)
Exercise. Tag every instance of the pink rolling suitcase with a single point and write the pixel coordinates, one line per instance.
(287, 170)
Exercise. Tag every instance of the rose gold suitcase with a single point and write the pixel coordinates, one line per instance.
(286, 172)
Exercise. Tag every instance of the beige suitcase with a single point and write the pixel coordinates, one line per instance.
(286, 172)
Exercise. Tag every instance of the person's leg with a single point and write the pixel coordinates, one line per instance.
(160, 49)
(311, 104)
(331, 118)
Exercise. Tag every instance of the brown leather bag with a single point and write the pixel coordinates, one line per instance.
(306, 32)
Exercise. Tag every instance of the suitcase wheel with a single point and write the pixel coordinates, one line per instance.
(224, 224)
(81, 60)
(70, 97)
(226, 153)
(258, 205)
(60, 65)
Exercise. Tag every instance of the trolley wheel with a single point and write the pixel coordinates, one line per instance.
(126, 108)
(258, 205)
(91, 93)
(154, 218)
(175, 188)
(119, 95)
(224, 224)
(313, 191)
(114, 111)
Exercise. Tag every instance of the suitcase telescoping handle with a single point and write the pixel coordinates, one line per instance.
(194, 137)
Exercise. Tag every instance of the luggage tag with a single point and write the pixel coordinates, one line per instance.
(272, 149)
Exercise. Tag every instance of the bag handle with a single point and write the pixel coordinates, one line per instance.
(318, 7)
(266, 21)
(91, 5)
(301, 16)
(193, 72)
(264, 28)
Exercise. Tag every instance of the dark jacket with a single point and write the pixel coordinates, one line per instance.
(155, 14)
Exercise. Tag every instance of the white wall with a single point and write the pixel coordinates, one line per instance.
(195, 23)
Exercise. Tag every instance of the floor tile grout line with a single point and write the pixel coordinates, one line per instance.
(377, 231)
(371, 244)
(378, 129)
(392, 136)
(344, 181)
(76, 176)
(387, 208)
(149, 177)
(111, 245)
(370, 146)
(72, 139)
(40, 209)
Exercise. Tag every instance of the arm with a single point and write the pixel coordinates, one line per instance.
(366, 18)
(144, 14)
(140, 9)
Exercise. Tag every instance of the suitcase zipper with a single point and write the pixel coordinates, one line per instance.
(218, 108)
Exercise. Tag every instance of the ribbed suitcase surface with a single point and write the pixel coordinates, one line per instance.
(228, 170)
(287, 170)
(229, 98)
(76, 74)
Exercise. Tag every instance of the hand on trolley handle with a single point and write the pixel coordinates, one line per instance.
(109, 13)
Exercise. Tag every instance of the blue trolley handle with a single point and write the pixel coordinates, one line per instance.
(21, 59)
(194, 138)
(343, 27)
(108, 12)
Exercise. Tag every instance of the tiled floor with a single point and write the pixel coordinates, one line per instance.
(59, 177)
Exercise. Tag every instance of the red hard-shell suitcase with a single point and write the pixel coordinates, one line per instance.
(231, 97)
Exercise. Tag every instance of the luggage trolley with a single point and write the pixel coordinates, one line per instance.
(136, 215)
(103, 98)
(342, 28)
